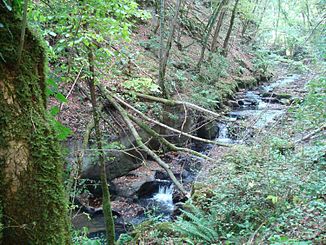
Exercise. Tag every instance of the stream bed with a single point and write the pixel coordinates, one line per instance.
(251, 111)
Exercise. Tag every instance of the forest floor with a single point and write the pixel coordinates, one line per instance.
(269, 190)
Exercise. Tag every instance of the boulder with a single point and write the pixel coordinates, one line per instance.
(271, 100)
(132, 184)
(117, 162)
(176, 117)
(283, 96)
(208, 130)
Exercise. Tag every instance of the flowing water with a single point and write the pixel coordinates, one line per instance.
(252, 110)
(164, 196)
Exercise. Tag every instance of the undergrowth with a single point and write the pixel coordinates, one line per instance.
(272, 192)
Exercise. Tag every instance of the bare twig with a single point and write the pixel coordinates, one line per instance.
(72, 87)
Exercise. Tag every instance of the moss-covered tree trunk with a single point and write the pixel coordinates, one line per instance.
(33, 201)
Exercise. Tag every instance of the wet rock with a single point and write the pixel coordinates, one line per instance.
(285, 101)
(177, 210)
(161, 175)
(127, 208)
(128, 186)
(208, 130)
(271, 100)
(283, 96)
(268, 94)
(178, 197)
(232, 103)
(147, 189)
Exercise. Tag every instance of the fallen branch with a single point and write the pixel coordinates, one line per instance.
(140, 143)
(106, 93)
(170, 102)
(165, 142)
(313, 133)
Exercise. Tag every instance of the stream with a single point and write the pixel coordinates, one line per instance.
(251, 111)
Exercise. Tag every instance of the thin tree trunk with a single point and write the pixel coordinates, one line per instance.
(162, 49)
(164, 56)
(228, 34)
(277, 21)
(109, 223)
(219, 25)
(260, 20)
(205, 38)
(23, 29)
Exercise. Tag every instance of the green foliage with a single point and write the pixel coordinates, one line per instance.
(80, 238)
(298, 27)
(214, 69)
(142, 85)
(206, 96)
(212, 90)
(311, 112)
(197, 226)
(263, 62)
(268, 193)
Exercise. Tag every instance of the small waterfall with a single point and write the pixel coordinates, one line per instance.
(164, 196)
(223, 135)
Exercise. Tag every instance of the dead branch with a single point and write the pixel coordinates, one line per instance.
(139, 142)
(165, 142)
(106, 93)
(72, 87)
(313, 133)
(171, 102)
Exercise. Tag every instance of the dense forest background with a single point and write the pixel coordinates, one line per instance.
(104, 104)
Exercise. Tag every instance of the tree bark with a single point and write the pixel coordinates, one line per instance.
(165, 53)
(228, 34)
(33, 199)
(205, 38)
(109, 223)
(219, 25)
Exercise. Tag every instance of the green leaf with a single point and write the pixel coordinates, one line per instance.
(60, 97)
(54, 110)
(62, 131)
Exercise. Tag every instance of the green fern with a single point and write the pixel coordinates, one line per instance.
(197, 225)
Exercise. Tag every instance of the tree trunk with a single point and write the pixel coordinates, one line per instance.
(109, 223)
(164, 53)
(277, 21)
(205, 38)
(228, 34)
(219, 25)
(32, 194)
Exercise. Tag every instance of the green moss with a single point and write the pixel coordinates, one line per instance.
(37, 212)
